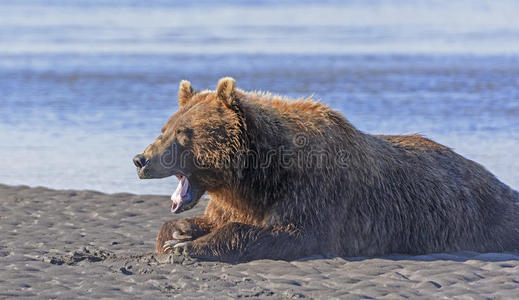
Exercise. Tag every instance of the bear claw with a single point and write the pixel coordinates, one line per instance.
(169, 245)
(182, 248)
(179, 243)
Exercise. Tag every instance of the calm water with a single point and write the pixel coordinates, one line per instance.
(85, 87)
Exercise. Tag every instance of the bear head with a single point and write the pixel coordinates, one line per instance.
(198, 143)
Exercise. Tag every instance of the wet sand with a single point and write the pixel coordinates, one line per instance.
(85, 244)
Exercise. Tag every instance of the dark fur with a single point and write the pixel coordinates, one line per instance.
(392, 194)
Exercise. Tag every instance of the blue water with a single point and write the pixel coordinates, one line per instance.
(84, 86)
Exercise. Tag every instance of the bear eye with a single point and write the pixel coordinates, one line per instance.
(179, 131)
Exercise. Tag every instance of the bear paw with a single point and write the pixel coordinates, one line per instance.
(179, 240)
(178, 248)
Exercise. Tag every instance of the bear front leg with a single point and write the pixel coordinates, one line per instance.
(237, 242)
(176, 231)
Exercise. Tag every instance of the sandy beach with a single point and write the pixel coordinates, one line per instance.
(85, 244)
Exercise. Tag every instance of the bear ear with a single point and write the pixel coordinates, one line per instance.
(225, 91)
(185, 92)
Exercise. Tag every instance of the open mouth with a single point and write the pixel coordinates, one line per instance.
(182, 196)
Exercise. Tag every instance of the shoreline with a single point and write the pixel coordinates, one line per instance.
(86, 244)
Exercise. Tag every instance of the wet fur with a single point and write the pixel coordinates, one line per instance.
(395, 194)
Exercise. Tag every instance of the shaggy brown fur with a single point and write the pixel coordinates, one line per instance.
(342, 192)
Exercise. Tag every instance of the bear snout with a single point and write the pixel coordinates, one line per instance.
(140, 161)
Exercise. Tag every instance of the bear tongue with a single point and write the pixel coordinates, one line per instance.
(180, 194)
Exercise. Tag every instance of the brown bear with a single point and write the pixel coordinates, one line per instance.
(289, 178)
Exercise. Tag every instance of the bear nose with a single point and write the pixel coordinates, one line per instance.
(139, 160)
